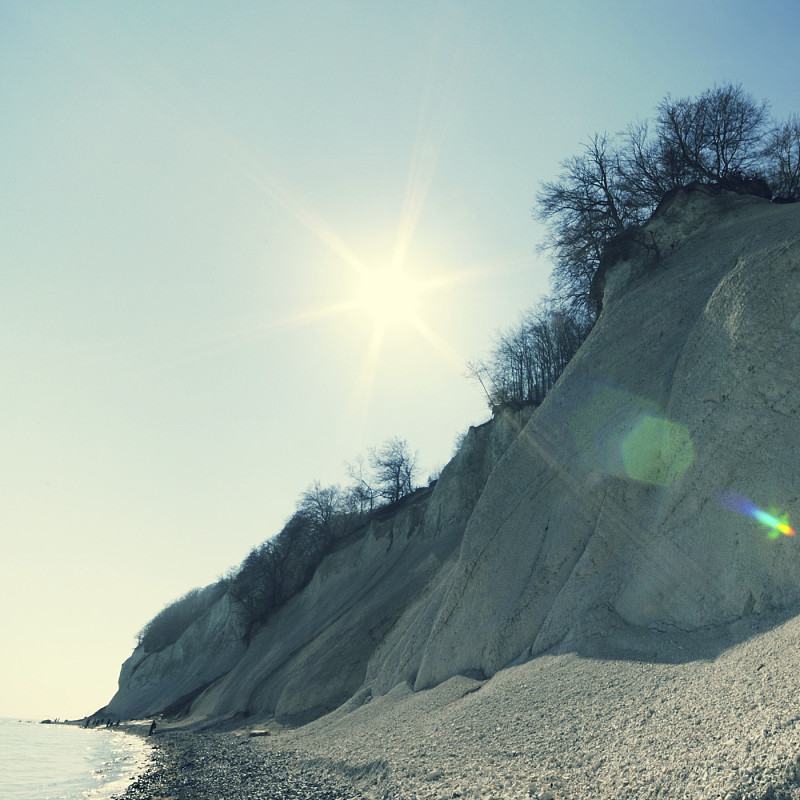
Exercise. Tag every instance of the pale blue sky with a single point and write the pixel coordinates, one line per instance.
(180, 180)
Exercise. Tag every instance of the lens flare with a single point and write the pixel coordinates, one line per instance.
(741, 505)
(657, 450)
(621, 434)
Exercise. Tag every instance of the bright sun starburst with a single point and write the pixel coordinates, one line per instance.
(390, 296)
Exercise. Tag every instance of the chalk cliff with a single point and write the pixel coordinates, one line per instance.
(605, 510)
(152, 682)
(313, 654)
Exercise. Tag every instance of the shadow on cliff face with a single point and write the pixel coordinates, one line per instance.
(604, 635)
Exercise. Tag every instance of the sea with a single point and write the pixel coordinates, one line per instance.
(67, 762)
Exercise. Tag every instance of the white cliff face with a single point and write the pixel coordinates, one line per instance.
(150, 682)
(315, 652)
(607, 508)
(601, 511)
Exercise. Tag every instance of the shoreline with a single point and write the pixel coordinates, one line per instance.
(228, 766)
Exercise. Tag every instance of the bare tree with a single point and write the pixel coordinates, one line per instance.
(583, 209)
(251, 592)
(360, 498)
(649, 168)
(170, 623)
(715, 138)
(276, 561)
(274, 571)
(394, 468)
(718, 136)
(528, 358)
(782, 156)
(320, 506)
(480, 372)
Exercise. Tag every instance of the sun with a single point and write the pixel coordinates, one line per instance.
(403, 301)
(390, 296)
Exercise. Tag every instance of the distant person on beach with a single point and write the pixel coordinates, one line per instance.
(152, 728)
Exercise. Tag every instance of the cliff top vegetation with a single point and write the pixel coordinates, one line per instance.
(723, 138)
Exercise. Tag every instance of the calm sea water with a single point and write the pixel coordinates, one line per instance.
(65, 762)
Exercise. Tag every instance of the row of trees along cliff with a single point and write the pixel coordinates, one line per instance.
(723, 138)
(281, 566)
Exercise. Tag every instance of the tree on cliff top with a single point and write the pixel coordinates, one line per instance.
(169, 624)
(718, 138)
(528, 358)
(583, 208)
(277, 569)
(783, 160)
(394, 468)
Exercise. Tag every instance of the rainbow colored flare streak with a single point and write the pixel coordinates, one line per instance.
(777, 526)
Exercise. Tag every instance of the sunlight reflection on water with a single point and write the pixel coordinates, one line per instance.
(66, 762)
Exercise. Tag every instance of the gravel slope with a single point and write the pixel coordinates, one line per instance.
(722, 724)
(713, 714)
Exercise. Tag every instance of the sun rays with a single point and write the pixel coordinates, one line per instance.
(390, 301)
(399, 295)
(393, 297)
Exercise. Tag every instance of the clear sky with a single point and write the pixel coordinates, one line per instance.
(195, 196)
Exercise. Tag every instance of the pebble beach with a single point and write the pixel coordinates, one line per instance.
(218, 766)
(707, 718)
